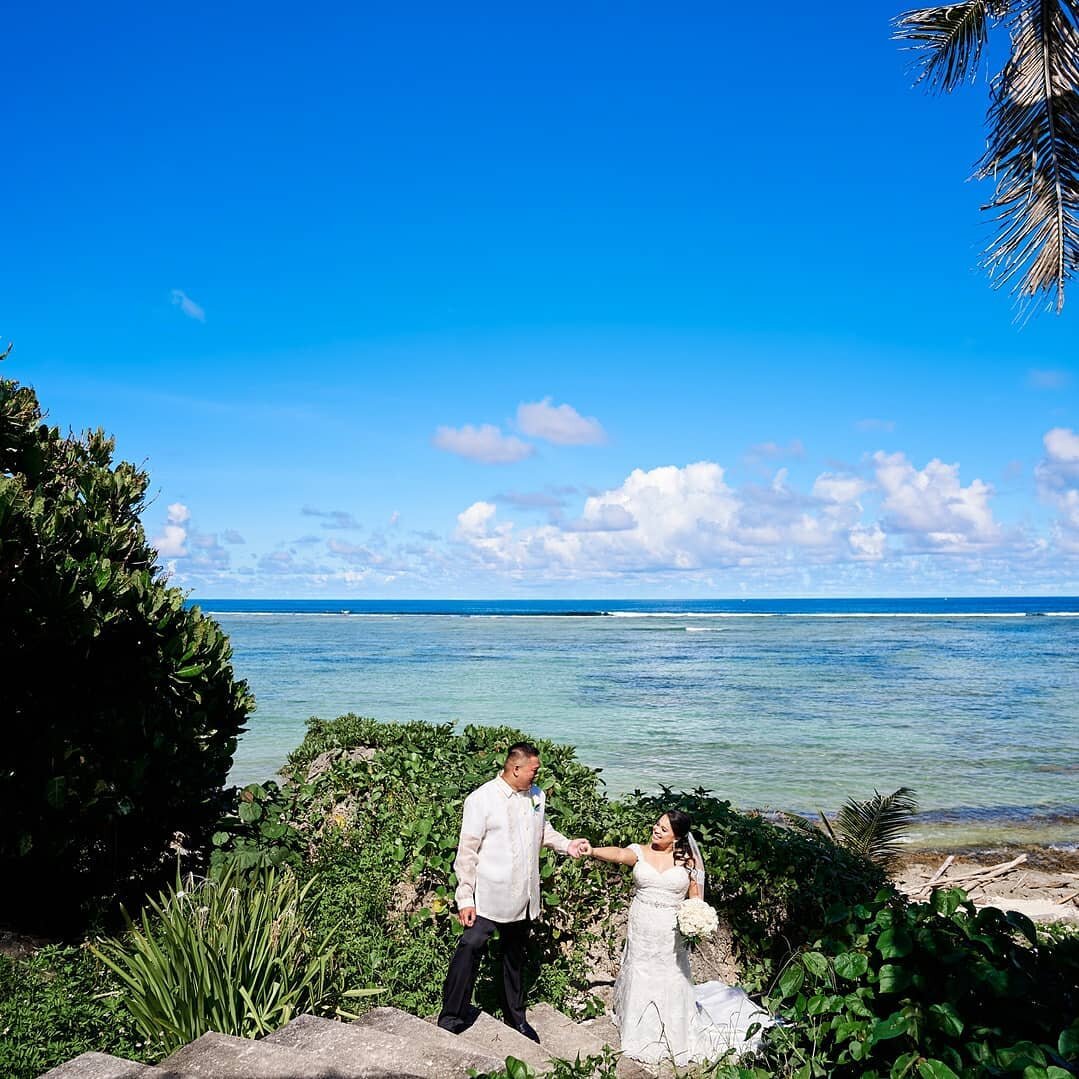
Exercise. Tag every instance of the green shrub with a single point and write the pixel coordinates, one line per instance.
(231, 955)
(57, 1004)
(119, 704)
(936, 990)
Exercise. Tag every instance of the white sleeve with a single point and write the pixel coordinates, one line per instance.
(473, 827)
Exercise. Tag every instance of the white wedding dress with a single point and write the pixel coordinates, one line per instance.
(660, 1014)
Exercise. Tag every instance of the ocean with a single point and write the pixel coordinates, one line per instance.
(792, 704)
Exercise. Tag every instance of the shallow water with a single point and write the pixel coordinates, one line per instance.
(974, 704)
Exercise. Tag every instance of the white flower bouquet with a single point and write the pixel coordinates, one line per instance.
(696, 920)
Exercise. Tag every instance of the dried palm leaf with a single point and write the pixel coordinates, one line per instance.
(1033, 152)
(947, 41)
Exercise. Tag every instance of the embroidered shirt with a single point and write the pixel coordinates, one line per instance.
(497, 863)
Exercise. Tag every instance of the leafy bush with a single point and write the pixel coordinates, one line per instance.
(231, 955)
(58, 1003)
(937, 990)
(119, 704)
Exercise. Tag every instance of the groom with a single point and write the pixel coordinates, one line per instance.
(498, 884)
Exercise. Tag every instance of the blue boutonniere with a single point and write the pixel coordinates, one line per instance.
(536, 801)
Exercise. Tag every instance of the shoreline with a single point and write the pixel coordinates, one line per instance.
(1038, 881)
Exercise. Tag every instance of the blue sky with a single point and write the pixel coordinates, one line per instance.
(607, 300)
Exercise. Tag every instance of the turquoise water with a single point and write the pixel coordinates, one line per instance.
(793, 704)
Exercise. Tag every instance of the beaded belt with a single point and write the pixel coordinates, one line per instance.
(657, 904)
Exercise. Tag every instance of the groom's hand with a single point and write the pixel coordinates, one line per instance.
(467, 916)
(579, 848)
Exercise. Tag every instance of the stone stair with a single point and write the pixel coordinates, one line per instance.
(383, 1043)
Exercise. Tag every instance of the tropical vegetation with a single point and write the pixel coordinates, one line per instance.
(119, 703)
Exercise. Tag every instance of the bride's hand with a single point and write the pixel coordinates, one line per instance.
(579, 848)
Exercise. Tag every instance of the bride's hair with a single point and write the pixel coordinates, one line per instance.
(681, 825)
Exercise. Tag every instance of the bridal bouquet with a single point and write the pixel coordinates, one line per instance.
(696, 919)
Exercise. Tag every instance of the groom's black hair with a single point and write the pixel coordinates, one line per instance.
(521, 751)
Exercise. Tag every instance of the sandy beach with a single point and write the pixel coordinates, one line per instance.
(1040, 882)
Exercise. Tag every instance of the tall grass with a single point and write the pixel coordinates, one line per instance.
(229, 955)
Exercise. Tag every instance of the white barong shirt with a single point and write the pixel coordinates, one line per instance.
(497, 862)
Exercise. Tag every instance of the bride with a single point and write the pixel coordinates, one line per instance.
(660, 1014)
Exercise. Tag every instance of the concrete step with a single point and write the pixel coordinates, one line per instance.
(491, 1035)
(378, 1051)
(221, 1056)
(564, 1038)
(418, 1032)
(103, 1066)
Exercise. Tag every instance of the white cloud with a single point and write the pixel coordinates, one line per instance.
(172, 540)
(486, 444)
(931, 506)
(602, 517)
(839, 487)
(561, 424)
(230, 535)
(1058, 483)
(187, 305)
(871, 424)
(867, 544)
(474, 522)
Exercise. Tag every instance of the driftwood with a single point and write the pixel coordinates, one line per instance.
(970, 880)
(1067, 899)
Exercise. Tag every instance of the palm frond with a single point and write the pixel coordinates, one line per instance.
(1033, 153)
(799, 823)
(874, 827)
(947, 41)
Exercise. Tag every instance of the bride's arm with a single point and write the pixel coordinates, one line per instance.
(694, 889)
(621, 855)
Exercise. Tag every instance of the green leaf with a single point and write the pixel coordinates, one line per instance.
(893, 978)
(250, 812)
(935, 1069)
(947, 1019)
(851, 965)
(894, 943)
(1068, 1042)
(815, 963)
(791, 980)
(891, 1027)
(56, 791)
(220, 839)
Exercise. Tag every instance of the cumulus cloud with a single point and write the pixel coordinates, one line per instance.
(230, 535)
(561, 424)
(332, 518)
(931, 506)
(187, 305)
(1057, 475)
(602, 517)
(171, 542)
(486, 444)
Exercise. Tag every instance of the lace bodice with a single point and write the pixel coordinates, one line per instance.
(666, 888)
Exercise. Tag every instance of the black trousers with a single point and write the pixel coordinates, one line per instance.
(461, 978)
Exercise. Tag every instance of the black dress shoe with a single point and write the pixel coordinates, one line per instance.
(451, 1023)
(527, 1030)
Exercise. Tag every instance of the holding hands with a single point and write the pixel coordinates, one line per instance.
(579, 848)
